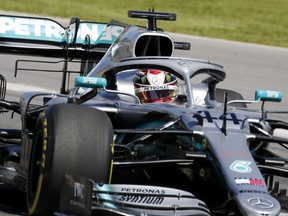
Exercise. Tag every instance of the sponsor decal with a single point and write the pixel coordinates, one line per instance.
(108, 35)
(77, 204)
(154, 200)
(78, 190)
(31, 28)
(143, 190)
(272, 94)
(248, 181)
(226, 154)
(143, 198)
(241, 166)
(49, 30)
(185, 63)
(153, 88)
(76, 195)
(260, 203)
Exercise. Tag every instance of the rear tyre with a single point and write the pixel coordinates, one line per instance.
(69, 139)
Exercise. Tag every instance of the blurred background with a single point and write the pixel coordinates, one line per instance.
(257, 21)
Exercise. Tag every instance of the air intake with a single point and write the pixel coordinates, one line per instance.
(154, 45)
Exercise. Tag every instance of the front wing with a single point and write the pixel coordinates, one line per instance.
(81, 196)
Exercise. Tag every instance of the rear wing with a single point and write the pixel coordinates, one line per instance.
(46, 37)
(84, 40)
(80, 39)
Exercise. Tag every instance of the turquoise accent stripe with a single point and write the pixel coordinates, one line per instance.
(41, 29)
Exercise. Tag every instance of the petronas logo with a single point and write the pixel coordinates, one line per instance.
(241, 166)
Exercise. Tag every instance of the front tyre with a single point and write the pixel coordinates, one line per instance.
(70, 139)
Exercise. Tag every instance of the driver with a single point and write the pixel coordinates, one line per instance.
(153, 85)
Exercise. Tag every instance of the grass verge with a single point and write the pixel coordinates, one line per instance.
(257, 21)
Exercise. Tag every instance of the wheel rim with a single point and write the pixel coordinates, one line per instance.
(35, 165)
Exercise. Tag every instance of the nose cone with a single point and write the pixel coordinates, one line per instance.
(257, 204)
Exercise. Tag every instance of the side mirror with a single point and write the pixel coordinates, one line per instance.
(264, 95)
(90, 82)
(3, 84)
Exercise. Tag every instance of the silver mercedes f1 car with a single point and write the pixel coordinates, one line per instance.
(142, 132)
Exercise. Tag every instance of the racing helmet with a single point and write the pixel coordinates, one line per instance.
(153, 85)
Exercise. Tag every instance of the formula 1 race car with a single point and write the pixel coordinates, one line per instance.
(142, 132)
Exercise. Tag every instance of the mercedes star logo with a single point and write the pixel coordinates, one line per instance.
(260, 203)
(156, 80)
(185, 63)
